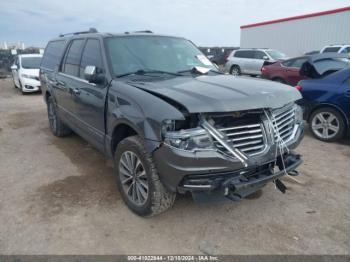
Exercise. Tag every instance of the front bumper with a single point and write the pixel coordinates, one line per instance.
(30, 85)
(175, 166)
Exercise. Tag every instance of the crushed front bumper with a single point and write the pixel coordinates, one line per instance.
(237, 185)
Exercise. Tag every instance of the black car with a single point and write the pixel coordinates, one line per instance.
(171, 121)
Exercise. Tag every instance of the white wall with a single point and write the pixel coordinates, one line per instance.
(296, 37)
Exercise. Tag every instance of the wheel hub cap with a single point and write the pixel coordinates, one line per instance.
(133, 178)
(325, 125)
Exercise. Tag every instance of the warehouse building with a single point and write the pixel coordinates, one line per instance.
(299, 34)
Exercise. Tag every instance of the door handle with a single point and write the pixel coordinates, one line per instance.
(76, 91)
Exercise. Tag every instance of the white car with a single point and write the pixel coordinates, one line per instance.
(340, 49)
(249, 61)
(25, 72)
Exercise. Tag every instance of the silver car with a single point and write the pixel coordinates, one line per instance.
(250, 61)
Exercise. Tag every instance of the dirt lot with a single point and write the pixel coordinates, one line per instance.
(58, 196)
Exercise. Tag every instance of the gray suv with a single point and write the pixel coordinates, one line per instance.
(250, 61)
(169, 120)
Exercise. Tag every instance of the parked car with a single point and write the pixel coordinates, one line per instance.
(327, 105)
(250, 61)
(3, 73)
(286, 72)
(217, 55)
(321, 65)
(25, 72)
(314, 52)
(340, 49)
(170, 121)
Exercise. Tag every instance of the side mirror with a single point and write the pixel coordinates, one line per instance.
(14, 67)
(265, 57)
(91, 74)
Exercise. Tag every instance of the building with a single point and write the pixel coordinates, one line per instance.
(299, 34)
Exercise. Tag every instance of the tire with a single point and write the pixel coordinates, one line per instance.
(58, 128)
(21, 88)
(327, 124)
(149, 201)
(235, 70)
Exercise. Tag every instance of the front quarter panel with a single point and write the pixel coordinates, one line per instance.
(139, 109)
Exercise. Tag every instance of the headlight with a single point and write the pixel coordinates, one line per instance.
(299, 114)
(188, 139)
(29, 76)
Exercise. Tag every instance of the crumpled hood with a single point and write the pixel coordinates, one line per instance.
(221, 93)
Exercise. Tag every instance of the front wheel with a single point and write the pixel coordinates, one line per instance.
(138, 180)
(327, 124)
(235, 70)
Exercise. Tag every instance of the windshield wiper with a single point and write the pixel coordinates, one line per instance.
(145, 72)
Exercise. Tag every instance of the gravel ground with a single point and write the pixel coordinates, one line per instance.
(58, 196)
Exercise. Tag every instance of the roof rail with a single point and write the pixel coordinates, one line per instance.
(91, 30)
(142, 31)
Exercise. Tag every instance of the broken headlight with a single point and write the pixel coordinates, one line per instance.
(186, 139)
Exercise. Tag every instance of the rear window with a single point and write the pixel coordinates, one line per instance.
(52, 54)
(331, 50)
(244, 54)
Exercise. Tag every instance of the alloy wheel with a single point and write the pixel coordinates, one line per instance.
(325, 125)
(133, 178)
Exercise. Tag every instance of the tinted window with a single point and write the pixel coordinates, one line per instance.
(31, 62)
(259, 55)
(52, 54)
(244, 54)
(91, 55)
(298, 62)
(72, 59)
(331, 50)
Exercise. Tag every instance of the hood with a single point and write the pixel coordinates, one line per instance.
(220, 93)
(32, 72)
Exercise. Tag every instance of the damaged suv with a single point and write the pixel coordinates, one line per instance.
(170, 120)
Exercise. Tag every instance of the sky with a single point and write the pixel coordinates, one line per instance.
(205, 22)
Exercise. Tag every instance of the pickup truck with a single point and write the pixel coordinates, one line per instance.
(168, 118)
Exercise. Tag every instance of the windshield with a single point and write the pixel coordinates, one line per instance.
(153, 53)
(31, 62)
(276, 54)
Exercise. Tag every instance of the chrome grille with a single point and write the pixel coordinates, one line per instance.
(250, 139)
(283, 121)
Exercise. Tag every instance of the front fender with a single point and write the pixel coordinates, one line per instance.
(138, 109)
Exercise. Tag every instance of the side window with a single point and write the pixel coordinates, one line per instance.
(238, 54)
(288, 63)
(72, 58)
(91, 56)
(249, 54)
(52, 54)
(298, 62)
(259, 55)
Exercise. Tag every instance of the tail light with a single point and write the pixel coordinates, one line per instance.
(263, 69)
(298, 87)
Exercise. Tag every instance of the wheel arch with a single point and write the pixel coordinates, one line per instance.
(120, 132)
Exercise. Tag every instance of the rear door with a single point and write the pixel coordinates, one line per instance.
(291, 74)
(241, 58)
(67, 81)
(257, 62)
(89, 98)
(344, 99)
